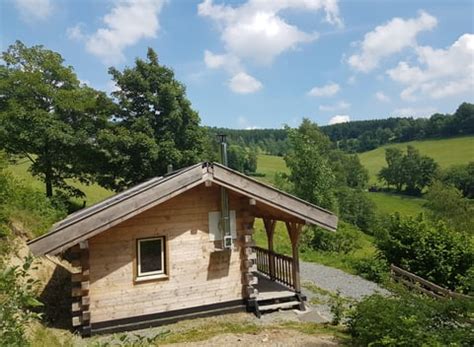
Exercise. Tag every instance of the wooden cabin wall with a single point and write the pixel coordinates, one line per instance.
(197, 275)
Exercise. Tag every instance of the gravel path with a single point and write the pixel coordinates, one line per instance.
(333, 280)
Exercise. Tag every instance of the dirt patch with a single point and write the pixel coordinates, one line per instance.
(280, 337)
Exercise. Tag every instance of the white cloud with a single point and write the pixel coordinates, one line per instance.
(327, 90)
(128, 22)
(75, 32)
(439, 72)
(243, 83)
(340, 118)
(245, 124)
(216, 61)
(341, 105)
(255, 30)
(31, 10)
(415, 112)
(388, 39)
(382, 97)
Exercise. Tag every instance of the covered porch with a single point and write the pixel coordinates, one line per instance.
(278, 276)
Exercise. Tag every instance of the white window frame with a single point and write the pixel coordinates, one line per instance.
(151, 274)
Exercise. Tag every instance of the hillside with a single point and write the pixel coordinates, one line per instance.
(445, 152)
(94, 193)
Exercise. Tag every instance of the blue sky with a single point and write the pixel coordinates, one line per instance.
(265, 63)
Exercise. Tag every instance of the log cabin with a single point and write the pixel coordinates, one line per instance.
(181, 246)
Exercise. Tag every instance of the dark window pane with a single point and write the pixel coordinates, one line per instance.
(150, 256)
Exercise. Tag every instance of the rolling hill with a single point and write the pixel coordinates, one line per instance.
(446, 152)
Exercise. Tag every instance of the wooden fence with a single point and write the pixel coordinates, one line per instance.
(278, 267)
(420, 284)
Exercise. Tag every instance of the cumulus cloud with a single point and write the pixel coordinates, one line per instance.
(382, 97)
(128, 22)
(388, 39)
(340, 118)
(255, 30)
(439, 72)
(243, 83)
(415, 112)
(341, 105)
(327, 90)
(31, 10)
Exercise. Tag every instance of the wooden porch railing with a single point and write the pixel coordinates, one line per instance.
(278, 267)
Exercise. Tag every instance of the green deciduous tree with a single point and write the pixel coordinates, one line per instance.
(48, 117)
(310, 173)
(411, 170)
(155, 126)
(461, 177)
(446, 203)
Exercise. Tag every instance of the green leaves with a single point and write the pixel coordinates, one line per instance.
(155, 126)
(48, 117)
(411, 171)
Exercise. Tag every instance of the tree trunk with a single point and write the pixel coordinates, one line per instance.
(49, 186)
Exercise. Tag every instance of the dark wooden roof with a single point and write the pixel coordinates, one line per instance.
(93, 220)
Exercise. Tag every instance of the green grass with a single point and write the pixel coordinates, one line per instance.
(446, 152)
(345, 262)
(94, 193)
(269, 165)
(388, 203)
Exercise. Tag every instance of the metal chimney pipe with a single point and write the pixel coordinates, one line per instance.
(225, 215)
(223, 149)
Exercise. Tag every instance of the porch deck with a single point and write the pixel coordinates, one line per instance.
(268, 289)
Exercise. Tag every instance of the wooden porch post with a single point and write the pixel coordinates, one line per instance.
(270, 230)
(294, 231)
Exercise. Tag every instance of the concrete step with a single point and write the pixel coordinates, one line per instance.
(278, 306)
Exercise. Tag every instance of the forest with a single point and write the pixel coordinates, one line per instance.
(364, 135)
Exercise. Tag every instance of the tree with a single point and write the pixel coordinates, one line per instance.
(392, 174)
(461, 177)
(310, 173)
(411, 170)
(418, 170)
(446, 203)
(155, 126)
(348, 169)
(48, 117)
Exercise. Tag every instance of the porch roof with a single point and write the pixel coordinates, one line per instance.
(93, 220)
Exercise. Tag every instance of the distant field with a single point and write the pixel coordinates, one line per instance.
(445, 152)
(269, 165)
(388, 203)
(94, 192)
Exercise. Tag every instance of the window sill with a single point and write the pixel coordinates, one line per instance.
(142, 279)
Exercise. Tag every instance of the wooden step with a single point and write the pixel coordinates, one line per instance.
(281, 305)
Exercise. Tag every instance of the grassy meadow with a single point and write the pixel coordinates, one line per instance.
(446, 152)
(94, 192)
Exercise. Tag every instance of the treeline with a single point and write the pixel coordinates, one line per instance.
(269, 141)
(361, 136)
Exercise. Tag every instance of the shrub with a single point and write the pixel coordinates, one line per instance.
(410, 320)
(345, 240)
(355, 207)
(374, 268)
(432, 251)
(17, 298)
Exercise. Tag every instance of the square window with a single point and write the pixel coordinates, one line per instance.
(151, 257)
